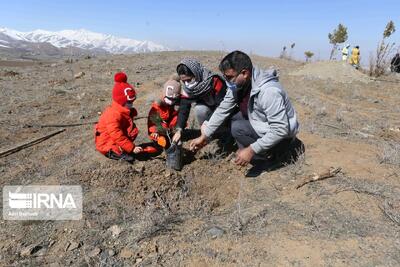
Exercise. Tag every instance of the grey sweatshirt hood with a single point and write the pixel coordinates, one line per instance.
(261, 77)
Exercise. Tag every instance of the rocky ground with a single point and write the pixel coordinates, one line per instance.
(208, 214)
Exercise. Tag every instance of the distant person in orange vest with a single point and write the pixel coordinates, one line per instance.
(116, 132)
(163, 114)
(355, 57)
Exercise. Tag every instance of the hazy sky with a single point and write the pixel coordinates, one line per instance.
(261, 27)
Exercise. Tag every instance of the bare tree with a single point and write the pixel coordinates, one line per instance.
(384, 50)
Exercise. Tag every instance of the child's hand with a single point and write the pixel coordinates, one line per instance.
(154, 135)
(137, 150)
(177, 136)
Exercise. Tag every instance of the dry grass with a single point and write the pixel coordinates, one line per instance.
(390, 153)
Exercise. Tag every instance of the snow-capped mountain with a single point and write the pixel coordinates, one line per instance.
(77, 39)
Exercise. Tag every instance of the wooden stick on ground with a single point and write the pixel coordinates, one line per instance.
(66, 125)
(33, 142)
(317, 177)
(332, 126)
(74, 124)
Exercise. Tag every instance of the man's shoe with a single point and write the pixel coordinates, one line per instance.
(261, 166)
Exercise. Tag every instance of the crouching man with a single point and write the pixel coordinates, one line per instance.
(263, 120)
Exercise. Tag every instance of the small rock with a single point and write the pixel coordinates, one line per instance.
(41, 252)
(115, 230)
(139, 168)
(73, 245)
(29, 250)
(168, 173)
(72, 87)
(60, 92)
(110, 252)
(211, 253)
(10, 73)
(215, 232)
(126, 253)
(96, 251)
(51, 243)
(79, 75)
(139, 260)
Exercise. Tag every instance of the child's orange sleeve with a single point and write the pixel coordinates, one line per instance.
(152, 128)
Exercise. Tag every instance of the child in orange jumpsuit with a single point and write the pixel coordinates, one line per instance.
(116, 131)
(163, 114)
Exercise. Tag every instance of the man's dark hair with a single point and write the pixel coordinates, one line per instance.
(182, 69)
(236, 60)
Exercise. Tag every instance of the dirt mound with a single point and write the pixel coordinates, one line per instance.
(332, 70)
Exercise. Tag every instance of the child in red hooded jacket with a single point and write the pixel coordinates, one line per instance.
(163, 114)
(116, 132)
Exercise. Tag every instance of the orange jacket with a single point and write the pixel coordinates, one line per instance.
(168, 115)
(116, 130)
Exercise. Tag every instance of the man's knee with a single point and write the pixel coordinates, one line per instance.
(243, 132)
(236, 129)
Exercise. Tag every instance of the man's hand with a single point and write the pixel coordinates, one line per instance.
(137, 150)
(244, 155)
(177, 136)
(198, 143)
